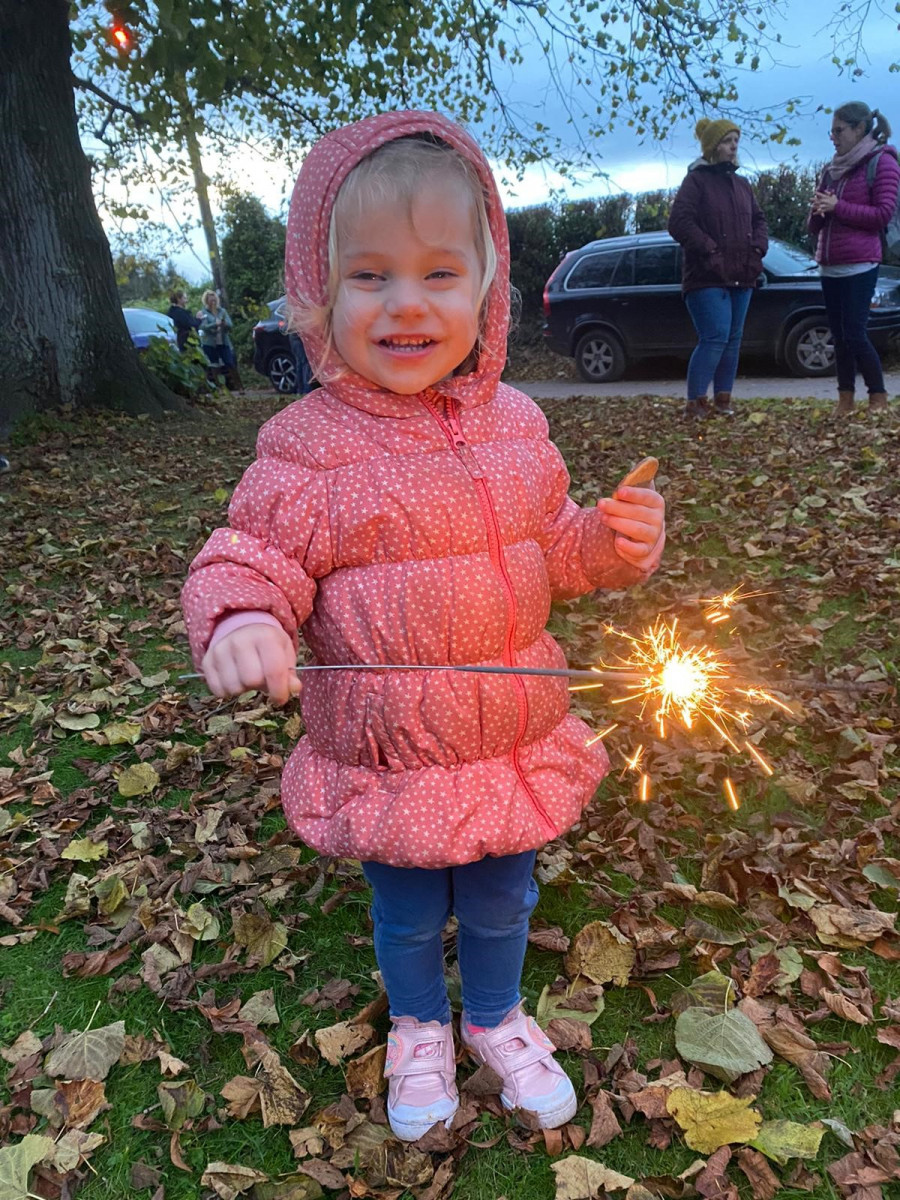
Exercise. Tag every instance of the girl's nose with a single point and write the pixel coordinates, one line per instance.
(404, 298)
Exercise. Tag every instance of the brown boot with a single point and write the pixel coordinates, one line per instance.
(878, 401)
(844, 404)
(722, 404)
(697, 409)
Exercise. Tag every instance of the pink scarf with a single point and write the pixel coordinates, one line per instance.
(841, 164)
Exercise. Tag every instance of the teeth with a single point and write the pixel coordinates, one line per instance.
(400, 341)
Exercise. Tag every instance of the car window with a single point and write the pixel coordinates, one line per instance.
(593, 271)
(147, 321)
(656, 265)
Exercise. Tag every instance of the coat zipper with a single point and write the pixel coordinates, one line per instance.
(452, 429)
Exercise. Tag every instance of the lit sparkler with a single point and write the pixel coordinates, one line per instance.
(670, 680)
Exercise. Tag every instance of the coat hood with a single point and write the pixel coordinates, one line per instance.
(325, 168)
(724, 168)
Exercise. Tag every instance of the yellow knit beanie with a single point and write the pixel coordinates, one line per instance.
(710, 133)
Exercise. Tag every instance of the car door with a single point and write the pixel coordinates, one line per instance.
(659, 322)
(592, 293)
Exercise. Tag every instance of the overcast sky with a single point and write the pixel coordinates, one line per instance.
(622, 164)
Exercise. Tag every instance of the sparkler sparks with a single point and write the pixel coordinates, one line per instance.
(670, 680)
(718, 608)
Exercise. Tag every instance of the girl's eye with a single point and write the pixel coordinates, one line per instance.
(365, 276)
(442, 274)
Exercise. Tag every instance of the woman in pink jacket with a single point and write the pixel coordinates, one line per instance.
(414, 511)
(848, 215)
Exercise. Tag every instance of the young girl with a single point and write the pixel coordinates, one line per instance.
(413, 511)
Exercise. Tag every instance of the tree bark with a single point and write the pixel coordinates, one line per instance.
(188, 132)
(63, 338)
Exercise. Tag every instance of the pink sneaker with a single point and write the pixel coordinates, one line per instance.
(421, 1073)
(522, 1055)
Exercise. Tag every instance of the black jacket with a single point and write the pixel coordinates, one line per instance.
(716, 219)
(183, 322)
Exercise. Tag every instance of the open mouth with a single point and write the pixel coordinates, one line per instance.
(406, 345)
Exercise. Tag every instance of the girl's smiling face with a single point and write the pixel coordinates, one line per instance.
(406, 310)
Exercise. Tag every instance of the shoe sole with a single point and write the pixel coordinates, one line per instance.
(411, 1131)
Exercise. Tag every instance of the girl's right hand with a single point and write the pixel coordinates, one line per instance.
(254, 656)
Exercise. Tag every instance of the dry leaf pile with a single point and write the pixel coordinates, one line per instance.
(148, 812)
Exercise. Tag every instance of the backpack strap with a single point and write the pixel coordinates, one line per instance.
(872, 168)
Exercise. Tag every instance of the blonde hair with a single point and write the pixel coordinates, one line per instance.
(394, 174)
(206, 296)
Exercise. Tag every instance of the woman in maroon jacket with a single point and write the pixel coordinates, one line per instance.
(716, 219)
(852, 205)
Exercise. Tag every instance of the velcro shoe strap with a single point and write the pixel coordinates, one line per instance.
(537, 1046)
(401, 1060)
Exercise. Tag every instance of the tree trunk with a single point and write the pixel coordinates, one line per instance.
(63, 338)
(201, 188)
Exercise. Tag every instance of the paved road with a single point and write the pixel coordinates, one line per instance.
(746, 388)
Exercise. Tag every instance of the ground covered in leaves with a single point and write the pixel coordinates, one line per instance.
(188, 1002)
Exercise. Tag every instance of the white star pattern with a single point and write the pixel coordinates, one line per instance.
(360, 523)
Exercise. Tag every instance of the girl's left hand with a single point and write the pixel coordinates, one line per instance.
(638, 518)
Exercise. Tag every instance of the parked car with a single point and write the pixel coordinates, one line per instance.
(272, 354)
(144, 324)
(619, 299)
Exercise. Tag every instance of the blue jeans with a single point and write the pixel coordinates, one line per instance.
(492, 900)
(847, 300)
(220, 355)
(718, 314)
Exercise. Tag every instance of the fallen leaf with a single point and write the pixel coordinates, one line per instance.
(713, 1119)
(229, 1180)
(724, 1044)
(87, 1055)
(782, 1140)
(604, 1124)
(601, 953)
(579, 1178)
(337, 1042)
(16, 1162)
(764, 1183)
(138, 780)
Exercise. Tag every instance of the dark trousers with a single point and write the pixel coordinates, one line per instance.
(302, 369)
(847, 301)
(222, 361)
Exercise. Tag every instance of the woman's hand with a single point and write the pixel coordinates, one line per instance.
(638, 518)
(824, 203)
(255, 656)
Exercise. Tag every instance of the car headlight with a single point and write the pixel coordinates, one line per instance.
(886, 299)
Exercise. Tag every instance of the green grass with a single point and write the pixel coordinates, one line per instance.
(105, 601)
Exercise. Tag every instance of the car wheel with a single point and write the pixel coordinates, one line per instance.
(280, 370)
(809, 349)
(599, 357)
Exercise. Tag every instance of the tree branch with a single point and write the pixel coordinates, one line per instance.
(87, 86)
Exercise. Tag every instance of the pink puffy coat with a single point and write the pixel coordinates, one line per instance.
(432, 528)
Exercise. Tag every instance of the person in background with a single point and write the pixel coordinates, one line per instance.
(216, 340)
(302, 370)
(724, 237)
(184, 323)
(847, 217)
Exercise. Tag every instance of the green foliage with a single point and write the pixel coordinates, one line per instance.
(651, 210)
(183, 372)
(141, 279)
(252, 254)
(541, 234)
(785, 196)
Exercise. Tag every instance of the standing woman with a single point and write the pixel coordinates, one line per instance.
(723, 233)
(848, 215)
(214, 336)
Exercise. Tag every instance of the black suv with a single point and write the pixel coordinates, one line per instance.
(272, 354)
(619, 299)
